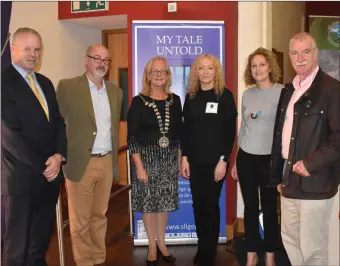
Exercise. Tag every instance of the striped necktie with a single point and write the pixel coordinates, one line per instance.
(38, 94)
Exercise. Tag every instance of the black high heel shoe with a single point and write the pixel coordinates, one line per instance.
(151, 262)
(168, 258)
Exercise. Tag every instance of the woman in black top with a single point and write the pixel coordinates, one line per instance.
(207, 140)
(154, 122)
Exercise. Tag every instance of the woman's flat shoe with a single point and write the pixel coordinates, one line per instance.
(168, 258)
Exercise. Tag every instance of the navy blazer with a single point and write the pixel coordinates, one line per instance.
(28, 139)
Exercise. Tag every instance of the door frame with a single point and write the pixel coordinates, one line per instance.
(105, 34)
(105, 42)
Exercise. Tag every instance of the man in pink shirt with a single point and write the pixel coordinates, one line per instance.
(306, 154)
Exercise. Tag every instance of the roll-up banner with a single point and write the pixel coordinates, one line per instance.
(180, 42)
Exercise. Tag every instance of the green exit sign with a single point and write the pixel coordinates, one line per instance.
(89, 6)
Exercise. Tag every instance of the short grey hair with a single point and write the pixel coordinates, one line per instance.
(303, 36)
(24, 30)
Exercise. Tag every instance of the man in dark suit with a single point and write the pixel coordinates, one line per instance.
(33, 146)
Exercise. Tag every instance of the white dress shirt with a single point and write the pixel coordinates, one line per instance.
(102, 112)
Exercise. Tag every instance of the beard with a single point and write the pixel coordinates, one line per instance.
(99, 73)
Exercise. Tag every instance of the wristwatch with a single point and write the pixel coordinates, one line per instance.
(224, 158)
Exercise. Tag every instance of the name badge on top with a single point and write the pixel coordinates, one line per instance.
(211, 108)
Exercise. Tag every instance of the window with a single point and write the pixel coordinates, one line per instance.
(180, 78)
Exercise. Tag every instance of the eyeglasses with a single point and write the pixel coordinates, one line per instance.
(98, 60)
(156, 72)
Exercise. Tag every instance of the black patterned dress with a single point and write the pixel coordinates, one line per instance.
(160, 194)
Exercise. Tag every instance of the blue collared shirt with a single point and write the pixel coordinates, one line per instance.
(24, 74)
(102, 112)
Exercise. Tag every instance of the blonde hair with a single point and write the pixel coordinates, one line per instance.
(194, 82)
(146, 86)
(24, 30)
(270, 57)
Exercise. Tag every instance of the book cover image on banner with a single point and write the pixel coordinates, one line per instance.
(180, 42)
(326, 32)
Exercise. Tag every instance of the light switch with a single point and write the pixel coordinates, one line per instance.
(172, 7)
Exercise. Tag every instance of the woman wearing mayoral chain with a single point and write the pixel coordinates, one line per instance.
(154, 122)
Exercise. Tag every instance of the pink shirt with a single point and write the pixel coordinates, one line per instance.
(300, 89)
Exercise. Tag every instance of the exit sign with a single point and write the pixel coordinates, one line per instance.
(89, 6)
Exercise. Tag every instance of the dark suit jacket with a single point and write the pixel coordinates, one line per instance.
(28, 139)
(315, 139)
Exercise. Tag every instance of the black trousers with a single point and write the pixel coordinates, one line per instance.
(205, 195)
(29, 226)
(253, 172)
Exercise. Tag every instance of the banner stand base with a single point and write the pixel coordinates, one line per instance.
(176, 241)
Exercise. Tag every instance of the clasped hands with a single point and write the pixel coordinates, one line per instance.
(219, 173)
(143, 176)
(52, 167)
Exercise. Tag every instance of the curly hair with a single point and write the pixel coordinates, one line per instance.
(270, 57)
(146, 86)
(194, 82)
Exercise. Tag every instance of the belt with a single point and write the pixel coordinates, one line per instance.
(97, 155)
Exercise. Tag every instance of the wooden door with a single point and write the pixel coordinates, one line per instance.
(117, 44)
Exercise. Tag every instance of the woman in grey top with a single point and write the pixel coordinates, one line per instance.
(259, 104)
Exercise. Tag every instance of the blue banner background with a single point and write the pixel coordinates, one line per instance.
(180, 43)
